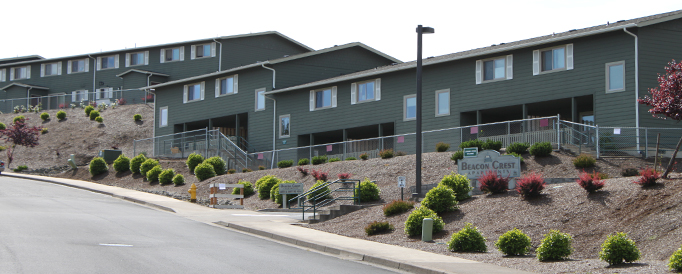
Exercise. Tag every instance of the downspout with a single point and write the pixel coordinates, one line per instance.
(153, 117)
(28, 97)
(636, 83)
(274, 110)
(94, 75)
(220, 55)
(145, 94)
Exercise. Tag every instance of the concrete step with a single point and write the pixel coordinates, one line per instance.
(332, 212)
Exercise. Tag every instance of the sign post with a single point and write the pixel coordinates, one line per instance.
(401, 185)
(285, 189)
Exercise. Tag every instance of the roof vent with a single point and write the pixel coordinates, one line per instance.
(286, 55)
(430, 57)
(572, 30)
(620, 21)
(393, 64)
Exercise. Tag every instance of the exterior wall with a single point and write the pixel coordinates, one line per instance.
(256, 48)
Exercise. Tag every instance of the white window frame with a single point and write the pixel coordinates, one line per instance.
(288, 116)
(83, 94)
(405, 107)
(568, 59)
(508, 71)
(86, 66)
(194, 51)
(438, 92)
(99, 62)
(163, 121)
(608, 76)
(313, 94)
(58, 72)
(355, 91)
(104, 93)
(185, 93)
(27, 74)
(235, 86)
(129, 59)
(162, 55)
(260, 90)
(3, 75)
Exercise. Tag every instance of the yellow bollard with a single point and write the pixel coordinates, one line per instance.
(193, 193)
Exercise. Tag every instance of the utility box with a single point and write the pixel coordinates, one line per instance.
(110, 155)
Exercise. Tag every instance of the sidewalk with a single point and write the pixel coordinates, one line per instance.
(279, 228)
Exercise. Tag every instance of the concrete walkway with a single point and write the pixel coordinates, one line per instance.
(280, 228)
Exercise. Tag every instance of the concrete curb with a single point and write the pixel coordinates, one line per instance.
(334, 251)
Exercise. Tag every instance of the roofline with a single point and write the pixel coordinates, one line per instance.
(22, 57)
(141, 71)
(23, 85)
(190, 79)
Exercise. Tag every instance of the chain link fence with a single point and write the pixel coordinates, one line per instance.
(75, 99)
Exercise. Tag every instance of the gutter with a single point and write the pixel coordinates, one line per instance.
(220, 56)
(636, 82)
(94, 74)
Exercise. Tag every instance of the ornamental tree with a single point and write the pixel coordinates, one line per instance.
(18, 134)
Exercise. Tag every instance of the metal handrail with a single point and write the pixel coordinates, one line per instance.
(301, 198)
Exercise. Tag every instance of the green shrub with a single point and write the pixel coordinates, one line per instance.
(44, 130)
(472, 143)
(166, 176)
(513, 243)
(274, 192)
(458, 155)
(98, 166)
(413, 224)
(246, 170)
(459, 184)
(2, 148)
(583, 161)
(469, 239)
(351, 158)
(88, 109)
(334, 160)
(148, 165)
(518, 148)
(153, 174)
(193, 160)
(285, 163)
(555, 246)
(263, 167)
(440, 199)
(541, 149)
(137, 117)
(99, 119)
(364, 156)
(397, 207)
(2, 126)
(136, 162)
(248, 188)
(22, 168)
(442, 147)
(122, 163)
(265, 184)
(178, 179)
(61, 115)
(517, 156)
(219, 165)
(675, 261)
(618, 249)
(19, 118)
(386, 153)
(45, 116)
(94, 114)
(317, 160)
(320, 194)
(231, 171)
(377, 227)
(368, 191)
(204, 171)
(494, 145)
(629, 172)
(303, 161)
(400, 153)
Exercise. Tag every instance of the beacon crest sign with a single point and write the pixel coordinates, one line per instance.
(504, 165)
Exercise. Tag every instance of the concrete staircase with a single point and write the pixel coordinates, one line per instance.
(332, 212)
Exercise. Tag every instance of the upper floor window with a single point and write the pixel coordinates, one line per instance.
(172, 54)
(75, 66)
(365, 91)
(615, 76)
(137, 58)
(226, 85)
(18, 73)
(205, 50)
(260, 99)
(442, 102)
(323, 98)
(499, 68)
(553, 59)
(107, 62)
(3, 73)
(50, 69)
(409, 107)
(193, 92)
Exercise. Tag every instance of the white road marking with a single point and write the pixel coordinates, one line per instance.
(254, 215)
(123, 245)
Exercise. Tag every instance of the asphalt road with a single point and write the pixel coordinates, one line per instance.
(47, 228)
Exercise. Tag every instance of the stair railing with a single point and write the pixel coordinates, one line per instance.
(320, 200)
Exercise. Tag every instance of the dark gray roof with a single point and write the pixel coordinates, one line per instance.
(23, 85)
(143, 72)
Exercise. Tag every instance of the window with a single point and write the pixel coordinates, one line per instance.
(495, 69)
(409, 107)
(79, 95)
(3, 72)
(76, 66)
(172, 54)
(226, 85)
(193, 92)
(553, 59)
(284, 126)
(323, 98)
(137, 58)
(19, 73)
(365, 91)
(104, 93)
(51, 69)
(107, 62)
(260, 99)
(615, 76)
(442, 102)
(163, 117)
(201, 51)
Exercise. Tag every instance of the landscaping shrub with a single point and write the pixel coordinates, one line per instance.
(319, 175)
(148, 165)
(600, 176)
(513, 243)
(518, 148)
(351, 158)
(219, 165)
(320, 193)
(265, 184)
(554, 246)
(285, 163)
(397, 207)
(45, 116)
(137, 117)
(541, 149)
(99, 119)
(303, 161)
(472, 143)
(629, 172)
(248, 188)
(517, 155)
(493, 145)
(166, 176)
(263, 167)
(590, 182)
(618, 249)
(274, 192)
(442, 147)
(459, 184)
(317, 160)
(88, 109)
(583, 161)
(153, 174)
(22, 168)
(386, 153)
(492, 183)
(648, 178)
(675, 261)
(2, 126)
(469, 239)
(204, 171)
(413, 224)
(94, 114)
(136, 162)
(44, 130)
(193, 160)
(97, 166)
(377, 227)
(364, 156)
(19, 118)
(2, 148)
(231, 171)
(303, 171)
(61, 115)
(178, 179)
(368, 191)
(400, 153)
(343, 176)
(122, 163)
(334, 160)
(440, 199)
(458, 155)
(530, 185)
(246, 170)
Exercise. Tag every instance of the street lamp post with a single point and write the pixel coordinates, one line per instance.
(420, 30)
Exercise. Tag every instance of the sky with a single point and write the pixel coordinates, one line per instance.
(70, 27)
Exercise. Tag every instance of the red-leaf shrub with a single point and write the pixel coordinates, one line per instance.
(19, 134)
(665, 99)
(62, 105)
(121, 101)
(319, 175)
(344, 175)
(590, 182)
(530, 185)
(648, 178)
(303, 171)
(493, 183)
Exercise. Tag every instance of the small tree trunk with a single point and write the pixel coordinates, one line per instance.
(672, 160)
